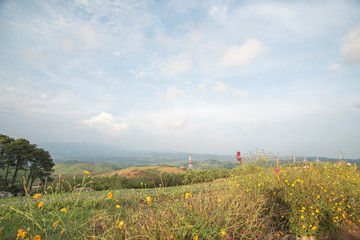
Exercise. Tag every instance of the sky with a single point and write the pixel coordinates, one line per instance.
(188, 76)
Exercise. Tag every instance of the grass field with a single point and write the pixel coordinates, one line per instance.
(257, 203)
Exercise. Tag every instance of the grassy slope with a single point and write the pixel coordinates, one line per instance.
(255, 202)
(79, 168)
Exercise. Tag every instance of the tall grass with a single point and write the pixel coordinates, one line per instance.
(257, 201)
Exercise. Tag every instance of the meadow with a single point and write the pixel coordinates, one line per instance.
(258, 201)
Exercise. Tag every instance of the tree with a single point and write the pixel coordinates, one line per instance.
(19, 152)
(21, 156)
(41, 166)
(5, 162)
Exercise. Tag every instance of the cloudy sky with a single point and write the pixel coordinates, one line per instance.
(191, 76)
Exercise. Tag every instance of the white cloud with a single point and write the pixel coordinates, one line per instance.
(351, 47)
(174, 124)
(202, 87)
(241, 55)
(177, 64)
(247, 129)
(221, 87)
(88, 35)
(44, 95)
(106, 121)
(218, 13)
(240, 92)
(173, 92)
(334, 67)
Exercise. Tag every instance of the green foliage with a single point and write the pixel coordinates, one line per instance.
(20, 157)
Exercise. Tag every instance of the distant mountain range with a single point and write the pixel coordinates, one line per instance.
(68, 152)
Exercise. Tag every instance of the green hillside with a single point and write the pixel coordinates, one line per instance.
(79, 168)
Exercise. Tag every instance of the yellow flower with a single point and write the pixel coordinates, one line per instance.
(302, 217)
(109, 195)
(317, 210)
(87, 172)
(55, 223)
(303, 226)
(219, 200)
(37, 237)
(117, 206)
(37, 196)
(223, 232)
(196, 238)
(149, 199)
(339, 209)
(187, 195)
(121, 224)
(64, 210)
(318, 196)
(171, 236)
(21, 233)
(40, 204)
(314, 227)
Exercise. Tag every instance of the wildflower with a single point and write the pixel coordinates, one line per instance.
(64, 210)
(196, 237)
(171, 236)
(55, 223)
(21, 233)
(242, 232)
(232, 229)
(37, 237)
(109, 195)
(187, 195)
(121, 224)
(117, 206)
(318, 196)
(40, 204)
(302, 217)
(339, 209)
(223, 232)
(37, 196)
(219, 200)
(87, 172)
(149, 199)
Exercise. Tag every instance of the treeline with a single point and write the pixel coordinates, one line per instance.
(22, 163)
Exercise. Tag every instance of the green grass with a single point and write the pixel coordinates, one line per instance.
(312, 201)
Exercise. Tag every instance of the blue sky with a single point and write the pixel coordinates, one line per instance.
(191, 76)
